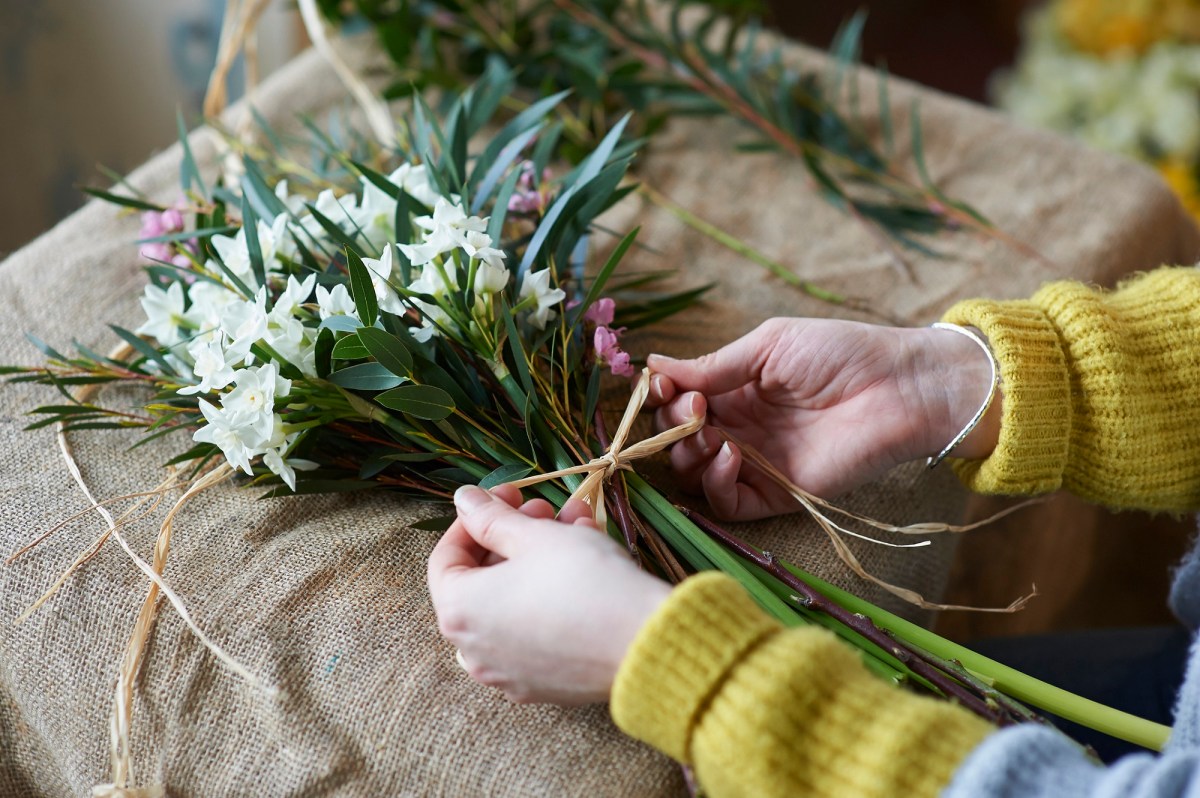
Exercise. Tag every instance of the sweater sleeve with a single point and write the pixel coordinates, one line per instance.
(1101, 392)
(763, 710)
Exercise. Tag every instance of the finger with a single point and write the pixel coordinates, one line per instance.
(493, 523)
(456, 553)
(538, 508)
(729, 367)
(662, 390)
(685, 408)
(691, 456)
(510, 494)
(728, 497)
(577, 511)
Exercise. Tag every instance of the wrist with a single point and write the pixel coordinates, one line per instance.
(953, 378)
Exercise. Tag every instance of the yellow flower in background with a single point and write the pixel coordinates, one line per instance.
(1181, 177)
(1104, 27)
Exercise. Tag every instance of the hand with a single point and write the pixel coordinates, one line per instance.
(832, 404)
(544, 610)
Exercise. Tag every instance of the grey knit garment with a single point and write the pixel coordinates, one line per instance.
(1034, 761)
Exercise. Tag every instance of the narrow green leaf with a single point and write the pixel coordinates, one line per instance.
(117, 199)
(253, 245)
(189, 173)
(503, 162)
(362, 290)
(340, 236)
(185, 235)
(419, 401)
(144, 349)
(437, 524)
(592, 399)
(518, 352)
(606, 272)
(505, 473)
(44, 347)
(500, 209)
(378, 180)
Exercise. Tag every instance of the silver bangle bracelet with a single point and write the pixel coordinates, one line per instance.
(987, 403)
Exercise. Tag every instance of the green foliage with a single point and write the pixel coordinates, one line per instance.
(616, 56)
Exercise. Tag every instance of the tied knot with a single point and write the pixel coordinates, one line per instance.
(598, 471)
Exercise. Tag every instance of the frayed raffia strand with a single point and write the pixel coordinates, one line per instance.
(376, 111)
(238, 35)
(813, 505)
(122, 769)
(618, 456)
(154, 499)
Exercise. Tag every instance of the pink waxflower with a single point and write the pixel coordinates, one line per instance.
(601, 312)
(161, 223)
(610, 353)
(528, 197)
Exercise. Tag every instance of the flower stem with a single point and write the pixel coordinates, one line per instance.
(1020, 686)
(732, 242)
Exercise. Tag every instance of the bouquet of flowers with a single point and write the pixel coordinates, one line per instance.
(1122, 76)
(425, 317)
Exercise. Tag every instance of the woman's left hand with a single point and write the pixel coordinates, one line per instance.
(541, 609)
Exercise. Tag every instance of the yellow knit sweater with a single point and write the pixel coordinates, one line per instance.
(1101, 397)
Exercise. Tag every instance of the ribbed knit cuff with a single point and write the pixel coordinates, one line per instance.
(762, 710)
(680, 656)
(1035, 425)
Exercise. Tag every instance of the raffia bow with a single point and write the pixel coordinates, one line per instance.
(618, 457)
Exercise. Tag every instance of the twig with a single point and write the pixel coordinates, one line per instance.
(811, 598)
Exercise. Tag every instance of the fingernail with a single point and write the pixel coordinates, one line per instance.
(726, 453)
(470, 497)
(656, 386)
(652, 359)
(695, 408)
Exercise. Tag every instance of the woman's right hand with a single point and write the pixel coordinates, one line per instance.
(832, 404)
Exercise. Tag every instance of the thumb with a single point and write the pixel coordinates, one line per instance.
(492, 522)
(730, 367)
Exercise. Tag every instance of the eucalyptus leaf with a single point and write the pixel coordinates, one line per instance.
(365, 377)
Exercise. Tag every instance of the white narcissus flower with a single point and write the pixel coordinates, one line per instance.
(214, 371)
(381, 273)
(209, 302)
(228, 435)
(336, 302)
(420, 254)
(251, 404)
(295, 294)
(537, 284)
(376, 214)
(245, 323)
(164, 313)
(414, 179)
(340, 210)
(273, 241)
(490, 279)
(274, 460)
(479, 245)
(449, 225)
(293, 202)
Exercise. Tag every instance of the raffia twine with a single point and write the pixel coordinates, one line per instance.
(619, 457)
(120, 718)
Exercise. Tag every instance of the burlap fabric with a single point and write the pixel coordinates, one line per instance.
(325, 596)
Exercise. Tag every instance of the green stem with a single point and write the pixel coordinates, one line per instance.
(1010, 681)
